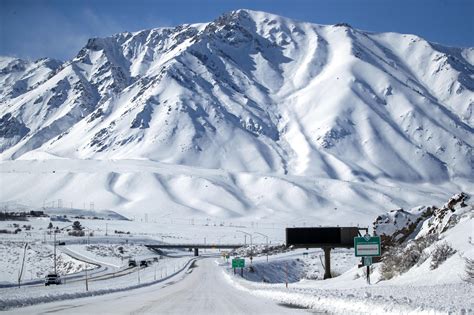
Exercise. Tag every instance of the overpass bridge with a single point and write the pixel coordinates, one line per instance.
(195, 246)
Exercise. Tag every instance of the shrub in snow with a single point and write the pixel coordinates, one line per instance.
(76, 226)
(469, 268)
(399, 259)
(391, 260)
(441, 252)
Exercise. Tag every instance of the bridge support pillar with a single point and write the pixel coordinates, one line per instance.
(196, 251)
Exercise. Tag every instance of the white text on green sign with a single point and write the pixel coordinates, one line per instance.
(367, 246)
(238, 263)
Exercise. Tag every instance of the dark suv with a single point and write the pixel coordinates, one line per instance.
(52, 279)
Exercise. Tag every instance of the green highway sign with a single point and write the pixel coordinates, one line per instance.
(238, 263)
(367, 246)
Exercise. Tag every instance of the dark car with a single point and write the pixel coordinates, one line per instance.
(132, 263)
(143, 263)
(52, 279)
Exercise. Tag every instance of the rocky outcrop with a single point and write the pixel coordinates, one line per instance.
(397, 226)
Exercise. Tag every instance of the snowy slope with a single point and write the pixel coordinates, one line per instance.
(135, 188)
(250, 92)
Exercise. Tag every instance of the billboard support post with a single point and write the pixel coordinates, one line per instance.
(327, 263)
(326, 238)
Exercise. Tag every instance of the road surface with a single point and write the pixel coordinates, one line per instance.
(202, 291)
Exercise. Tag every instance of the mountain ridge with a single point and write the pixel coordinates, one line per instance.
(275, 86)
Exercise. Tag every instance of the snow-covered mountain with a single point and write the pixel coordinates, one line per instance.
(251, 92)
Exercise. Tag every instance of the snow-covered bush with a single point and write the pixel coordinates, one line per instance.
(399, 259)
(76, 233)
(469, 268)
(391, 261)
(441, 252)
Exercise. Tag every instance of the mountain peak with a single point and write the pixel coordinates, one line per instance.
(300, 98)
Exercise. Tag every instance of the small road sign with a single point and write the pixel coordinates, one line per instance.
(238, 263)
(367, 246)
(367, 261)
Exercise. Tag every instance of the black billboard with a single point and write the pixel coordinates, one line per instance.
(307, 237)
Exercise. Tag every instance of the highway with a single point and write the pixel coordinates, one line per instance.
(202, 290)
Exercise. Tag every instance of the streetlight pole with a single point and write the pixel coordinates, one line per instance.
(54, 232)
(87, 280)
(55, 270)
(251, 244)
(266, 237)
(89, 231)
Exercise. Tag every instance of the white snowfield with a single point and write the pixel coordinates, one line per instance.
(138, 187)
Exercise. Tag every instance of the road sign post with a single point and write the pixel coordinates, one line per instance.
(367, 247)
(239, 263)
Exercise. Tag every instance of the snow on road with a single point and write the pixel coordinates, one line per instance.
(127, 280)
(203, 290)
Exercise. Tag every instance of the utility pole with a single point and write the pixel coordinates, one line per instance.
(54, 232)
(87, 280)
(138, 274)
(266, 237)
(22, 265)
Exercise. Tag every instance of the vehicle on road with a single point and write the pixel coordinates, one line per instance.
(52, 278)
(143, 263)
(132, 263)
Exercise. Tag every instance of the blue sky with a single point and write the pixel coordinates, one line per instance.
(59, 28)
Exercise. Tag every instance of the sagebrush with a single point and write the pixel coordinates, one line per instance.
(441, 252)
(400, 258)
(469, 269)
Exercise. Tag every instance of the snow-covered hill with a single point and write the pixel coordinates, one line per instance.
(252, 93)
